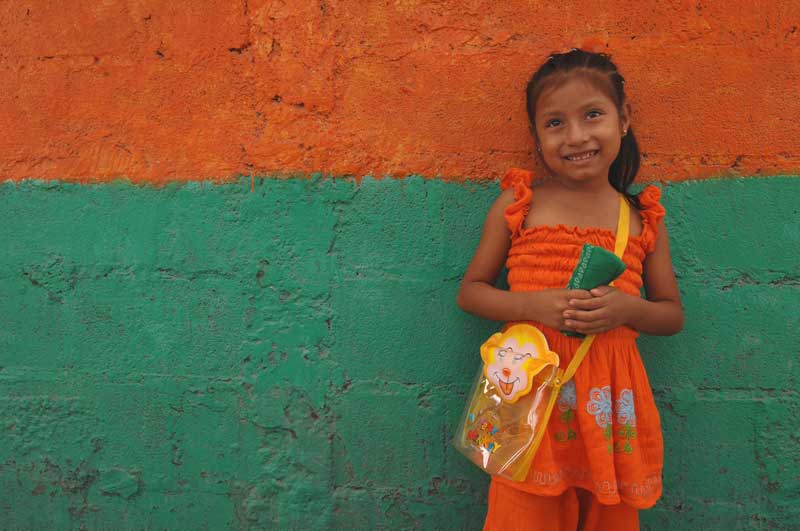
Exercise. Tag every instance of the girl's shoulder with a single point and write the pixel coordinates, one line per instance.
(515, 178)
(650, 198)
(516, 197)
(652, 213)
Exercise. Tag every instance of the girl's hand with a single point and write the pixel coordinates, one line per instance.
(548, 306)
(607, 309)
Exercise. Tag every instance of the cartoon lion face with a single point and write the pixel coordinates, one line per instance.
(512, 358)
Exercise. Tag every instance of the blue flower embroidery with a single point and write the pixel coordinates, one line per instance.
(626, 414)
(599, 405)
(567, 398)
(568, 405)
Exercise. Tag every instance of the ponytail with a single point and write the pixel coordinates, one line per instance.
(623, 170)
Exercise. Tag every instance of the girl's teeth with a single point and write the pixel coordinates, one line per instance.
(581, 157)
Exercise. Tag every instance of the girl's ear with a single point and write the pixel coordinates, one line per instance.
(625, 118)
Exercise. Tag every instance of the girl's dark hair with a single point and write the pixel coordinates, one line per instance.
(557, 67)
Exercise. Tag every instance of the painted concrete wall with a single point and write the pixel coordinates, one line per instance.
(207, 357)
(157, 91)
(282, 350)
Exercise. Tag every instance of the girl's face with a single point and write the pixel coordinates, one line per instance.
(579, 130)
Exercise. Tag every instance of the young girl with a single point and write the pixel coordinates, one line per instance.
(601, 458)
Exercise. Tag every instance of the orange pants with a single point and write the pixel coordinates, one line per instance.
(574, 510)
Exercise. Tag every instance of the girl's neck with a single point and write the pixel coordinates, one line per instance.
(594, 187)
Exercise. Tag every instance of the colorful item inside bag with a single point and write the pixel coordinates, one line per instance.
(514, 393)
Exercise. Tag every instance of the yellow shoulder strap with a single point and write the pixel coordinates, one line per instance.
(623, 227)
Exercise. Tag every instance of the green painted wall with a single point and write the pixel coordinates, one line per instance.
(204, 357)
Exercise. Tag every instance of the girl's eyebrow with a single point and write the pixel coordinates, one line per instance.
(591, 103)
(595, 103)
(554, 112)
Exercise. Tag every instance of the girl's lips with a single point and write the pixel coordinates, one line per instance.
(582, 156)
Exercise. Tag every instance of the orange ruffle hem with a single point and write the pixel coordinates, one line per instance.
(605, 432)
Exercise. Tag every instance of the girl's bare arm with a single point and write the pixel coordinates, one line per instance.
(661, 314)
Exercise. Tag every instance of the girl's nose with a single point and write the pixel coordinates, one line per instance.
(576, 134)
(506, 372)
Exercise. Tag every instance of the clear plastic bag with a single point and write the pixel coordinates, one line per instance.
(510, 402)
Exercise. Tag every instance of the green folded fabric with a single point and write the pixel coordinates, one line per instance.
(596, 267)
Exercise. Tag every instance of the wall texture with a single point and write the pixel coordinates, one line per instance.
(225, 339)
(207, 357)
(157, 91)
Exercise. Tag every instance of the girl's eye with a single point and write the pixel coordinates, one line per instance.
(552, 123)
(593, 114)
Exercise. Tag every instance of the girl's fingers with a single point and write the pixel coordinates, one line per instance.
(578, 294)
(599, 291)
(586, 304)
(584, 328)
(584, 316)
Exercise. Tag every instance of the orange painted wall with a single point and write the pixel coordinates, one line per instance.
(157, 91)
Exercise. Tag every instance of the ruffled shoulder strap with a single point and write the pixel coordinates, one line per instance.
(520, 181)
(652, 213)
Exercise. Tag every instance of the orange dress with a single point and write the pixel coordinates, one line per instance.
(605, 434)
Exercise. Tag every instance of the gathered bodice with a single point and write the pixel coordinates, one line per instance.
(544, 256)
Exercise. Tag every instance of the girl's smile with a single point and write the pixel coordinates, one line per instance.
(582, 156)
(579, 129)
